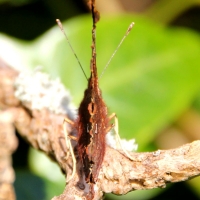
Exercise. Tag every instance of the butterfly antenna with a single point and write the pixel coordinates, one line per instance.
(63, 31)
(126, 34)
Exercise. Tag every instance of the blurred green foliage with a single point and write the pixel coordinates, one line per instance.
(153, 78)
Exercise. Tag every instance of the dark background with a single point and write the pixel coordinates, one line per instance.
(16, 16)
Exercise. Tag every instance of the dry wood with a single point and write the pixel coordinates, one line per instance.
(42, 128)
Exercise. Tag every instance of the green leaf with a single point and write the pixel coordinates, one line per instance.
(29, 186)
(152, 79)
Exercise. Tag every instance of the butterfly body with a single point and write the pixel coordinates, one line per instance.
(92, 126)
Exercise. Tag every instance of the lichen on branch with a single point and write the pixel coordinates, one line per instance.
(42, 128)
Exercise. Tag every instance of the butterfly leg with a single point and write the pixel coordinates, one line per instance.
(116, 129)
(69, 146)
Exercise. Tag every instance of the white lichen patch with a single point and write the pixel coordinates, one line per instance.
(41, 91)
(128, 145)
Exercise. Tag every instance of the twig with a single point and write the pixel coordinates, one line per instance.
(42, 128)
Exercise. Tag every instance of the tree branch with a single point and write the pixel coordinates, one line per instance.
(42, 128)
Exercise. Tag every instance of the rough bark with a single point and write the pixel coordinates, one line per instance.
(43, 129)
